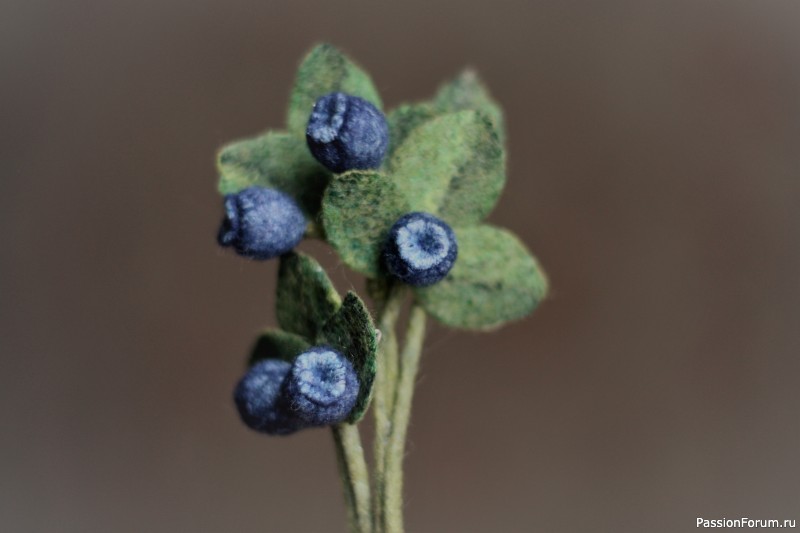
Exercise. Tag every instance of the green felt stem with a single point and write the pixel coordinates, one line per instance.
(353, 469)
(385, 383)
(392, 497)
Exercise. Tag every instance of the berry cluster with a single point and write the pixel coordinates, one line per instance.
(318, 388)
(344, 133)
(401, 198)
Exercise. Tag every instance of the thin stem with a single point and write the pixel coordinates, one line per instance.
(385, 383)
(388, 353)
(392, 497)
(353, 467)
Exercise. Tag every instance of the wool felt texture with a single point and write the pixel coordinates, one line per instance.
(352, 332)
(467, 92)
(326, 70)
(347, 133)
(277, 344)
(321, 387)
(306, 297)
(452, 166)
(259, 399)
(464, 92)
(276, 160)
(495, 280)
(358, 209)
(420, 249)
(261, 223)
(487, 291)
(282, 160)
(403, 119)
(311, 312)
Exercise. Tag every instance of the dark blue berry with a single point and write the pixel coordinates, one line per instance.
(261, 223)
(258, 397)
(421, 249)
(322, 386)
(347, 132)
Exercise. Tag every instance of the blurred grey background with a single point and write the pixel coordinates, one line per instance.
(654, 170)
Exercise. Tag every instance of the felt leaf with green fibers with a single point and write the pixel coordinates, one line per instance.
(466, 91)
(306, 297)
(358, 209)
(404, 119)
(494, 280)
(452, 166)
(277, 344)
(276, 160)
(352, 332)
(325, 70)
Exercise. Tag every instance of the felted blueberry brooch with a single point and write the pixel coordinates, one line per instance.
(402, 198)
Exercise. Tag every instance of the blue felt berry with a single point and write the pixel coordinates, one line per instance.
(347, 132)
(322, 386)
(421, 249)
(261, 223)
(258, 397)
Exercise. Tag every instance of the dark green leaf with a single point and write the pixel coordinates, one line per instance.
(452, 166)
(352, 332)
(325, 70)
(277, 344)
(306, 298)
(494, 280)
(358, 209)
(277, 160)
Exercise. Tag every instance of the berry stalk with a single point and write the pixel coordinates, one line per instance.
(385, 384)
(391, 503)
(353, 469)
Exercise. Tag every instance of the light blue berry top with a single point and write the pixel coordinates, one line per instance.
(322, 386)
(321, 375)
(326, 121)
(420, 249)
(422, 244)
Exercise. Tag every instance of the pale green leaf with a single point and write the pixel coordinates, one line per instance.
(465, 92)
(452, 166)
(276, 160)
(495, 280)
(325, 70)
(404, 119)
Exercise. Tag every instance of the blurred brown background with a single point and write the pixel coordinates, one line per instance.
(653, 169)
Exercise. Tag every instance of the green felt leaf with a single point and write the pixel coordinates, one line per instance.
(325, 70)
(358, 209)
(306, 298)
(352, 331)
(467, 91)
(277, 344)
(403, 119)
(452, 166)
(494, 280)
(277, 160)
